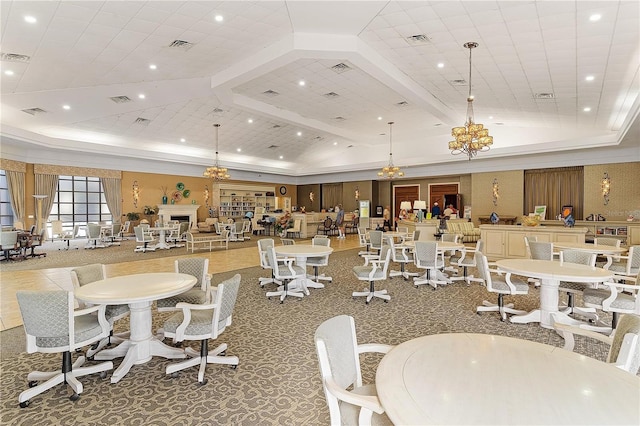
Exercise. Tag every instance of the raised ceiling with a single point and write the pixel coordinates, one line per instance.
(363, 64)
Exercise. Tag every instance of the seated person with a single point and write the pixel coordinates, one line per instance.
(284, 223)
(435, 210)
(450, 211)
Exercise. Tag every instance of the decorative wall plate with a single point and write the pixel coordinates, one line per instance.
(179, 186)
(186, 193)
(176, 196)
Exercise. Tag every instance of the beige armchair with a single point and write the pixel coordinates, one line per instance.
(208, 225)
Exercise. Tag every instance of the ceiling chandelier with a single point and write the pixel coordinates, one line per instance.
(216, 172)
(473, 137)
(390, 171)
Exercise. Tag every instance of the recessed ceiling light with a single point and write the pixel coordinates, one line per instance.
(30, 19)
(281, 157)
(595, 17)
(299, 133)
(335, 143)
(153, 67)
(66, 107)
(589, 78)
(183, 140)
(587, 109)
(250, 120)
(491, 117)
(219, 18)
(302, 83)
(141, 96)
(239, 149)
(440, 65)
(8, 72)
(379, 118)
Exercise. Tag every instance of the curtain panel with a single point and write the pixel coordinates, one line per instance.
(46, 185)
(331, 195)
(16, 187)
(113, 196)
(554, 188)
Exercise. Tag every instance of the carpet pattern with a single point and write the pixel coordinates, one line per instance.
(277, 381)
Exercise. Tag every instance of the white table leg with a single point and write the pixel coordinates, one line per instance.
(162, 241)
(301, 261)
(142, 344)
(548, 305)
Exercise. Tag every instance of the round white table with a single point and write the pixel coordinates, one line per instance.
(301, 252)
(550, 274)
(138, 291)
(162, 238)
(593, 248)
(464, 379)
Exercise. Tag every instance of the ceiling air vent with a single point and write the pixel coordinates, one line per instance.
(276, 126)
(181, 44)
(142, 121)
(318, 138)
(462, 82)
(120, 99)
(273, 147)
(331, 95)
(402, 104)
(350, 146)
(341, 67)
(418, 39)
(217, 110)
(14, 57)
(339, 118)
(34, 111)
(271, 93)
(544, 96)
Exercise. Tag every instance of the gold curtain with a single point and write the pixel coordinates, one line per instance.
(15, 184)
(46, 185)
(331, 195)
(554, 188)
(113, 196)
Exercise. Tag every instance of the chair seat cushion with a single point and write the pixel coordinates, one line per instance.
(501, 286)
(595, 297)
(194, 296)
(573, 287)
(349, 413)
(317, 261)
(200, 322)
(116, 311)
(363, 272)
(86, 327)
(283, 271)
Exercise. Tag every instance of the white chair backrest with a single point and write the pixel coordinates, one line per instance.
(226, 294)
(451, 238)
(426, 254)
(375, 239)
(541, 250)
(579, 257)
(614, 242)
(321, 240)
(8, 239)
(625, 348)
(263, 247)
(194, 266)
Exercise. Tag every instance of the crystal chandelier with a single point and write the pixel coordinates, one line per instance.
(390, 171)
(216, 172)
(473, 137)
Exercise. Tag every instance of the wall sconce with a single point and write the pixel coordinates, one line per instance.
(311, 196)
(419, 206)
(205, 194)
(496, 191)
(136, 193)
(357, 194)
(606, 187)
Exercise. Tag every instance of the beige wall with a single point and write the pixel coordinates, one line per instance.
(511, 190)
(624, 197)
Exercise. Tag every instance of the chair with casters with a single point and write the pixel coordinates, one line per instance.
(571, 288)
(143, 238)
(239, 234)
(327, 227)
(87, 274)
(376, 240)
(204, 322)
(540, 250)
(9, 244)
(125, 230)
(256, 228)
(57, 232)
(452, 255)
(467, 259)
(502, 285)
(352, 227)
(616, 297)
(350, 402)
(624, 342)
(52, 325)
(295, 229)
(37, 241)
(372, 271)
(403, 255)
(263, 246)
(94, 236)
(363, 241)
(285, 271)
(18, 226)
(199, 294)
(318, 261)
(287, 242)
(627, 265)
(427, 257)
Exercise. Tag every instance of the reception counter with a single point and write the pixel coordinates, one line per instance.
(428, 228)
(507, 241)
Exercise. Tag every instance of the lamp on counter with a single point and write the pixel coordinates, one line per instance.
(606, 187)
(420, 206)
(406, 206)
(135, 190)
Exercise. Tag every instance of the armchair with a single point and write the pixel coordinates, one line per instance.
(208, 225)
(199, 294)
(51, 325)
(284, 271)
(143, 237)
(338, 354)
(9, 243)
(204, 322)
(373, 270)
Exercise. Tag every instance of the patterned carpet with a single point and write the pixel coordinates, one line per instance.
(277, 381)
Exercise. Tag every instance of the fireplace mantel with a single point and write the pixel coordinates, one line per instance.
(166, 211)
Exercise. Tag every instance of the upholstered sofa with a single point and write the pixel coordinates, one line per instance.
(208, 225)
(470, 234)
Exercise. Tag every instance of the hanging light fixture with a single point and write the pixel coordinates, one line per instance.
(216, 172)
(390, 171)
(473, 137)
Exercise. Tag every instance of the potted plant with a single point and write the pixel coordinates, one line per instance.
(133, 216)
